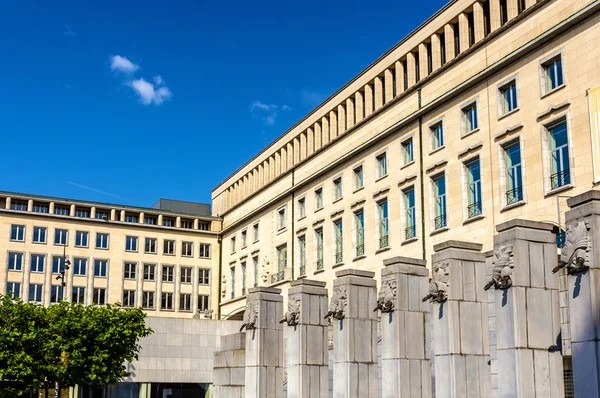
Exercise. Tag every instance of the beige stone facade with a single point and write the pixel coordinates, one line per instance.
(506, 82)
(113, 250)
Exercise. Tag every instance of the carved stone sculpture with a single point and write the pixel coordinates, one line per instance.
(292, 315)
(502, 268)
(250, 316)
(338, 303)
(387, 295)
(224, 286)
(575, 254)
(208, 313)
(440, 282)
(265, 271)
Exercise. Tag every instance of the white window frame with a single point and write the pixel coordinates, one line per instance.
(168, 273)
(204, 248)
(167, 301)
(464, 118)
(404, 211)
(85, 235)
(379, 169)
(105, 268)
(502, 170)
(281, 218)
(130, 270)
(37, 265)
(185, 302)
(38, 290)
(80, 291)
(99, 299)
(130, 238)
(14, 267)
(186, 275)
(465, 187)
(152, 241)
(169, 247)
(20, 234)
(433, 202)
(37, 235)
(149, 272)
(544, 63)
(191, 247)
(379, 223)
(256, 232)
(77, 261)
(547, 152)
(432, 126)
(129, 299)
(358, 183)
(106, 241)
(148, 300)
(301, 203)
(501, 88)
(338, 188)
(404, 153)
(204, 274)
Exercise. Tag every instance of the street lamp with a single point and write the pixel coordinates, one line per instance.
(62, 277)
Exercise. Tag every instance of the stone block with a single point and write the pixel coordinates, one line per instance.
(362, 341)
(415, 333)
(314, 345)
(471, 328)
(540, 319)
(585, 368)
(468, 281)
(237, 376)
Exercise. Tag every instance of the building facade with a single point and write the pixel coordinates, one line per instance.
(158, 258)
(479, 116)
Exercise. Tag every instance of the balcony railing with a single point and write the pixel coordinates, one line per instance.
(319, 264)
(278, 276)
(383, 241)
(339, 257)
(560, 179)
(440, 221)
(514, 195)
(360, 250)
(302, 269)
(410, 232)
(474, 209)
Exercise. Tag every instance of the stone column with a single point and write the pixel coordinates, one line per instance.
(463, 35)
(449, 38)
(307, 356)
(359, 106)
(354, 334)
(399, 66)
(228, 367)
(411, 67)
(341, 119)
(527, 310)
(333, 125)
(460, 321)
(581, 258)
(350, 113)
(436, 52)
(478, 20)
(423, 61)
(405, 346)
(264, 343)
(388, 81)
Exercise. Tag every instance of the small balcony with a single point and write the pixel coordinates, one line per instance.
(384, 241)
(360, 250)
(410, 232)
(440, 221)
(319, 265)
(339, 257)
(560, 179)
(474, 209)
(514, 195)
(302, 269)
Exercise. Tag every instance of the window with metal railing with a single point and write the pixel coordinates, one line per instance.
(514, 178)
(302, 254)
(559, 144)
(439, 188)
(339, 241)
(409, 205)
(359, 223)
(474, 207)
(383, 224)
(319, 245)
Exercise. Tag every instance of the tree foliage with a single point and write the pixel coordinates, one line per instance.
(66, 343)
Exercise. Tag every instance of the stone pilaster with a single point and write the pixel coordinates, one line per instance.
(527, 310)
(460, 321)
(228, 367)
(405, 346)
(581, 258)
(264, 343)
(354, 334)
(307, 356)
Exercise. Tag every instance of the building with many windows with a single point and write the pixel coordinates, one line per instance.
(479, 116)
(163, 259)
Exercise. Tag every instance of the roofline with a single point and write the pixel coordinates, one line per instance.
(358, 76)
(103, 204)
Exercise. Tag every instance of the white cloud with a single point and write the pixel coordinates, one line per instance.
(69, 32)
(122, 64)
(151, 93)
(312, 98)
(266, 112)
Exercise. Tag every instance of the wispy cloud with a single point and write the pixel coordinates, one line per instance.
(149, 93)
(95, 190)
(312, 98)
(122, 64)
(69, 32)
(267, 112)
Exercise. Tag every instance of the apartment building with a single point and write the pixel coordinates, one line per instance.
(485, 113)
(163, 259)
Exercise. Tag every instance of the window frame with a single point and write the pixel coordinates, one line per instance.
(187, 273)
(301, 207)
(473, 204)
(201, 250)
(409, 213)
(169, 299)
(77, 261)
(148, 297)
(131, 238)
(107, 243)
(465, 120)
(130, 270)
(79, 234)
(166, 244)
(502, 88)
(547, 153)
(191, 247)
(170, 273)
(106, 265)
(204, 273)
(96, 296)
(504, 172)
(182, 302)
(10, 287)
(14, 268)
(149, 272)
(282, 218)
(18, 228)
(381, 225)
(152, 241)
(407, 156)
(78, 291)
(338, 188)
(436, 203)
(43, 265)
(358, 175)
(434, 141)
(544, 65)
(319, 200)
(131, 298)
(382, 169)
(33, 237)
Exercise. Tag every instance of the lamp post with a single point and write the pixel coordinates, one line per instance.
(62, 277)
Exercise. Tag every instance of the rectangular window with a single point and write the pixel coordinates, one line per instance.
(101, 240)
(301, 207)
(39, 234)
(169, 247)
(429, 58)
(281, 219)
(99, 296)
(487, 20)
(82, 213)
(37, 262)
(150, 220)
(129, 298)
(187, 224)
(129, 270)
(14, 288)
(131, 243)
(443, 48)
(203, 226)
(514, 178)
(203, 302)
(338, 193)
(17, 233)
(559, 145)
(203, 276)
(244, 238)
(417, 66)
(79, 266)
(204, 250)
(167, 273)
(318, 199)
(133, 218)
(437, 135)
(338, 231)
(359, 223)
(232, 245)
(41, 208)
(81, 238)
(439, 192)
(185, 302)
(243, 267)
(100, 268)
(508, 95)
(359, 178)
(149, 270)
(474, 188)
(232, 279)
(102, 215)
(168, 222)
(319, 245)
(58, 263)
(61, 236)
(281, 262)
(255, 267)
(407, 151)
(553, 74)
(255, 232)
(302, 254)
(150, 245)
(409, 205)
(15, 261)
(186, 275)
(36, 292)
(381, 165)
(382, 208)
(62, 210)
(187, 249)
(56, 294)
(148, 300)
(470, 117)
(503, 12)
(18, 205)
(78, 295)
(471, 27)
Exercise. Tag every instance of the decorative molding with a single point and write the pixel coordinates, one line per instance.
(300, 230)
(381, 191)
(250, 316)
(386, 301)
(470, 149)
(223, 286)
(255, 251)
(440, 283)
(407, 179)
(338, 303)
(243, 257)
(358, 202)
(292, 316)
(553, 108)
(502, 268)
(437, 165)
(508, 131)
(319, 221)
(335, 213)
(575, 255)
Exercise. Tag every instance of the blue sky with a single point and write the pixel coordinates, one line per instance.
(129, 101)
